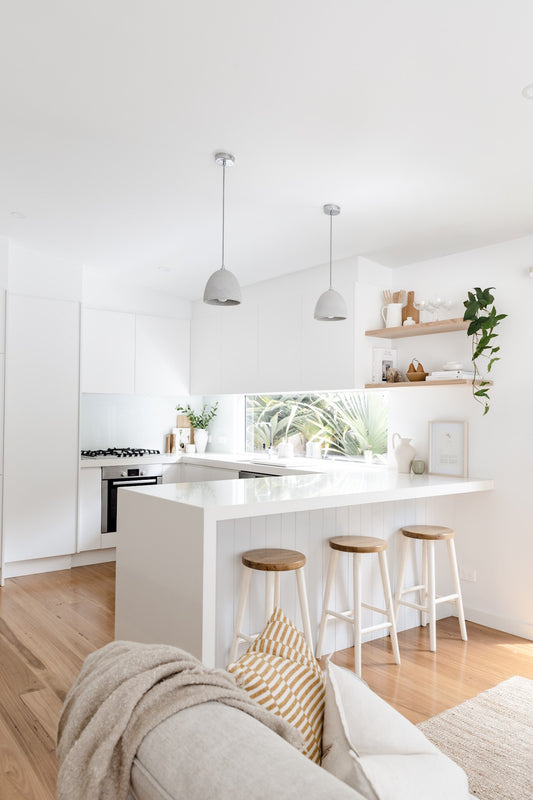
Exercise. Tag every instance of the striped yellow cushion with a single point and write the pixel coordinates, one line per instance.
(280, 672)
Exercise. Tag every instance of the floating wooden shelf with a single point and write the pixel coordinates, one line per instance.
(421, 329)
(420, 384)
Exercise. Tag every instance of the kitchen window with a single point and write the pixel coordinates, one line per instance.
(340, 424)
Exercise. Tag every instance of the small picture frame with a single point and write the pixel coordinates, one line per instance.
(382, 358)
(448, 448)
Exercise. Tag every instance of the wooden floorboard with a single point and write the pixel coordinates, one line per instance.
(49, 623)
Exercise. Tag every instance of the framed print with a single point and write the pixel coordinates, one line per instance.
(381, 359)
(448, 448)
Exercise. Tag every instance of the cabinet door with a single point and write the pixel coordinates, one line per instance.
(89, 508)
(41, 431)
(197, 472)
(108, 352)
(172, 473)
(162, 356)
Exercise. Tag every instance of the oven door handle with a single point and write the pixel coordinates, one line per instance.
(141, 481)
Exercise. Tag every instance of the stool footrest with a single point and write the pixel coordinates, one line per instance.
(412, 589)
(345, 616)
(449, 598)
(375, 608)
(380, 627)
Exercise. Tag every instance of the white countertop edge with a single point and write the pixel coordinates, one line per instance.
(222, 501)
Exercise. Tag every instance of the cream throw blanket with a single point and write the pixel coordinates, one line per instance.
(123, 691)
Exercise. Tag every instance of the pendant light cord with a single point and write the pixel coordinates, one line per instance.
(330, 249)
(223, 208)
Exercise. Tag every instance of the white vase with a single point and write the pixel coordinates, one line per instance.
(200, 439)
(404, 452)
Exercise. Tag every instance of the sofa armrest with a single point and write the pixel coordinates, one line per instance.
(213, 750)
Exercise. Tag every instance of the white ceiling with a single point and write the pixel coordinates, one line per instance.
(407, 113)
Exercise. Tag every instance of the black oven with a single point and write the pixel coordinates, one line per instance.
(115, 477)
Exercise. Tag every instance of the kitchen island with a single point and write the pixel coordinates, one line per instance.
(179, 546)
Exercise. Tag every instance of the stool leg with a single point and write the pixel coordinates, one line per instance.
(332, 566)
(431, 597)
(304, 606)
(424, 591)
(357, 599)
(457, 587)
(243, 597)
(388, 604)
(277, 593)
(269, 595)
(404, 555)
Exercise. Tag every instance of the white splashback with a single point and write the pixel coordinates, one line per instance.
(123, 420)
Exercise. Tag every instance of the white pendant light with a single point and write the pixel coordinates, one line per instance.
(331, 306)
(222, 288)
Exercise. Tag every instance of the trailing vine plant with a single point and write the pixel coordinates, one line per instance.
(484, 319)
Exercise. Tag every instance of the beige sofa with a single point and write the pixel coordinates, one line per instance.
(214, 752)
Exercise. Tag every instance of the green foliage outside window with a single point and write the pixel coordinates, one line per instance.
(344, 423)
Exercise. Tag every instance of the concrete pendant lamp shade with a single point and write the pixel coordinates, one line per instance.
(222, 288)
(331, 306)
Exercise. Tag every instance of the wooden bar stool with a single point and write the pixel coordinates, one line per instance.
(428, 535)
(271, 561)
(357, 546)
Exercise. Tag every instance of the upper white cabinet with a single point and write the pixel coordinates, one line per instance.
(162, 348)
(41, 432)
(130, 353)
(108, 352)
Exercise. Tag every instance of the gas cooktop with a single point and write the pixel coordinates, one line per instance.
(119, 452)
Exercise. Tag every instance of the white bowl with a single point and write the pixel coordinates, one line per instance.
(453, 365)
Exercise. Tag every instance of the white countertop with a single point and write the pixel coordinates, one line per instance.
(356, 485)
(236, 461)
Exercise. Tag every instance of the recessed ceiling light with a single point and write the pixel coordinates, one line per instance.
(17, 215)
(527, 91)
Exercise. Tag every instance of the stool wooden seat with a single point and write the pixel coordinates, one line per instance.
(272, 561)
(357, 544)
(428, 532)
(357, 547)
(428, 535)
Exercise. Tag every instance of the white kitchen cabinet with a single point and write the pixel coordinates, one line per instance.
(108, 352)
(41, 433)
(162, 356)
(89, 509)
(172, 473)
(198, 472)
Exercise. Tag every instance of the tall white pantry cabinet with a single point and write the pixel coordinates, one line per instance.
(41, 427)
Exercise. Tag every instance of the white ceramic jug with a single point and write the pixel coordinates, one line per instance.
(392, 315)
(404, 452)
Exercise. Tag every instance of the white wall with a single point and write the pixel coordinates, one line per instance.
(494, 530)
(121, 296)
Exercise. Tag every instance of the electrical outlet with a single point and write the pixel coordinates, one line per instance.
(467, 574)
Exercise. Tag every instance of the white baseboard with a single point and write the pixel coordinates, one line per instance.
(517, 627)
(15, 569)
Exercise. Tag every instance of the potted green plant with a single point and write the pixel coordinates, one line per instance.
(200, 422)
(484, 319)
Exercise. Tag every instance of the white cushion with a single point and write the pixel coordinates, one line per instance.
(378, 752)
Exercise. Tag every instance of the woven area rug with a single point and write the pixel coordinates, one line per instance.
(491, 738)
